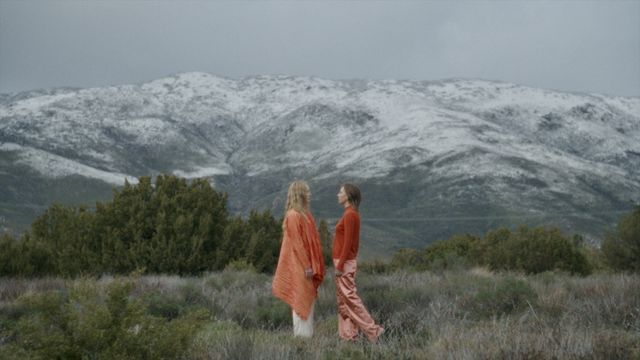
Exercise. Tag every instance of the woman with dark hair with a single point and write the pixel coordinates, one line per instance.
(352, 315)
(300, 269)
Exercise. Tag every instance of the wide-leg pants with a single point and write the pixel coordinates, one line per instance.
(352, 315)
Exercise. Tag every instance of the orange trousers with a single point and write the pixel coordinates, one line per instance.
(352, 315)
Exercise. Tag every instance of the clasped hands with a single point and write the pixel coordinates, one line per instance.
(308, 273)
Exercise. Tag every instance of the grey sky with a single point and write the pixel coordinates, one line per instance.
(587, 46)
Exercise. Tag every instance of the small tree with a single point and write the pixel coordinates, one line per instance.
(621, 249)
(9, 254)
(407, 258)
(457, 251)
(263, 245)
(325, 241)
(534, 250)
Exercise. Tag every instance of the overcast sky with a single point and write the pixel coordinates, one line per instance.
(585, 46)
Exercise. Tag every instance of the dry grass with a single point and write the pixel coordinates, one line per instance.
(427, 315)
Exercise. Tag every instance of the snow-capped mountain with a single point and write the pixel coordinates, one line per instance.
(433, 158)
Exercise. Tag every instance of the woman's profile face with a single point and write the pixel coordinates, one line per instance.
(342, 196)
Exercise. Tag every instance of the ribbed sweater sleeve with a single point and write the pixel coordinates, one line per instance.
(350, 220)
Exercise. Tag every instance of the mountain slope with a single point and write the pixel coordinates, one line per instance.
(433, 158)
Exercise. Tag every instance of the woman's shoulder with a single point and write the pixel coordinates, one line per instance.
(292, 214)
(351, 210)
(309, 215)
(351, 214)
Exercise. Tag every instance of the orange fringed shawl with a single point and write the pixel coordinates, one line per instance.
(300, 250)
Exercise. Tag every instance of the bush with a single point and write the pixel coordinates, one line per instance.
(409, 259)
(452, 253)
(81, 323)
(450, 261)
(533, 250)
(621, 249)
(507, 296)
(221, 340)
(240, 265)
(164, 305)
(170, 227)
(595, 258)
(273, 313)
(9, 254)
(376, 266)
(381, 298)
(325, 240)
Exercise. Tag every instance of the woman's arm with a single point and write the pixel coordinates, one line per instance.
(349, 238)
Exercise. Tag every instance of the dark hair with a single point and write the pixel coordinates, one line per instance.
(353, 194)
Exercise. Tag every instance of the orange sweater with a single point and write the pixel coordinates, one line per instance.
(300, 250)
(347, 237)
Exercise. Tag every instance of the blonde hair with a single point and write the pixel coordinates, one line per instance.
(298, 197)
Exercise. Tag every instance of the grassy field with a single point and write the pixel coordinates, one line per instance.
(470, 314)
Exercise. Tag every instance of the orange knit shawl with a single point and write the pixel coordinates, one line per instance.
(300, 250)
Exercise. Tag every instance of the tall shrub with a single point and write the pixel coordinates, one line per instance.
(621, 248)
(171, 226)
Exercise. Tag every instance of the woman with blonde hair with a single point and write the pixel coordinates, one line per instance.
(300, 267)
(353, 317)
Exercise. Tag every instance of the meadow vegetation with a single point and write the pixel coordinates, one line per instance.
(461, 314)
(84, 284)
(184, 228)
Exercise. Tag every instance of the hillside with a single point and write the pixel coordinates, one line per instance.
(432, 158)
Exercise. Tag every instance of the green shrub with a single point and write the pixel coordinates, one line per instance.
(449, 261)
(9, 255)
(262, 247)
(595, 258)
(170, 227)
(376, 266)
(533, 250)
(192, 294)
(240, 265)
(164, 305)
(82, 323)
(452, 253)
(507, 296)
(530, 250)
(621, 249)
(407, 259)
(237, 280)
(546, 277)
(381, 298)
(272, 313)
(325, 241)
(224, 340)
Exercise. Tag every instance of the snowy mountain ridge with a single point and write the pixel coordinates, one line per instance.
(452, 145)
